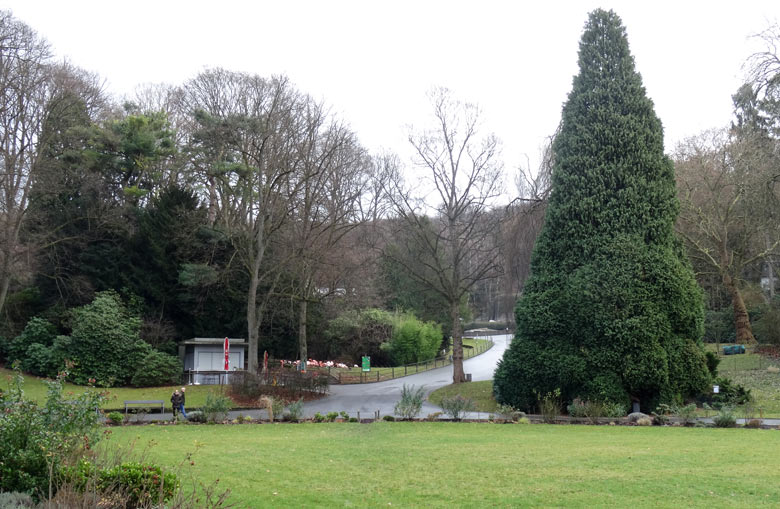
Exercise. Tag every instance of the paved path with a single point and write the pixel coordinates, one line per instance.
(382, 396)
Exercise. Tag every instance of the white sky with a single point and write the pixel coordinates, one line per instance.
(374, 61)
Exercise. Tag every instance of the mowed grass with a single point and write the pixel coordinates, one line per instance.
(418, 464)
(481, 393)
(35, 389)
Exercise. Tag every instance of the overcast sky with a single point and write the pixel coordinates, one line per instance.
(374, 61)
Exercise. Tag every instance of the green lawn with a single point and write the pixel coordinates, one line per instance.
(35, 390)
(751, 370)
(421, 464)
(481, 393)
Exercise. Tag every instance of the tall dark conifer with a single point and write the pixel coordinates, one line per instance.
(611, 310)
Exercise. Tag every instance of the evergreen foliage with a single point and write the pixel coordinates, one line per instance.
(104, 342)
(611, 311)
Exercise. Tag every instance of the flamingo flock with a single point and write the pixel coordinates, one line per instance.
(317, 364)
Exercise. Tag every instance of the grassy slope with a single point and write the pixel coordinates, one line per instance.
(474, 465)
(35, 390)
(481, 393)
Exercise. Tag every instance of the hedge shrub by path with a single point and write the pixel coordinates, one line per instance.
(611, 310)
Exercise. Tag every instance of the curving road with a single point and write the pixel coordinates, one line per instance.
(382, 396)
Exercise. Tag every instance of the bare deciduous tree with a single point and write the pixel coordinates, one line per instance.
(447, 217)
(249, 132)
(24, 93)
(327, 196)
(728, 191)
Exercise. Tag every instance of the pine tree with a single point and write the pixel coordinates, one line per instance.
(611, 310)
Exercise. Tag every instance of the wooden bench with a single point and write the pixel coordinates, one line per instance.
(146, 402)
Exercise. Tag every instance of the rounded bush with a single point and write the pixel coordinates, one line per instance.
(157, 369)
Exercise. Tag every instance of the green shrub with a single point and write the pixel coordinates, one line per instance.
(216, 407)
(357, 333)
(456, 406)
(42, 360)
(411, 402)
(413, 340)
(104, 343)
(139, 484)
(725, 418)
(318, 417)
(550, 405)
(508, 412)
(34, 439)
(730, 393)
(331, 416)
(294, 411)
(353, 419)
(388, 418)
(157, 369)
(38, 331)
(576, 408)
(713, 361)
(116, 418)
(196, 416)
(344, 415)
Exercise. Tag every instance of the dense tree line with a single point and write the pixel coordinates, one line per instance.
(229, 205)
(237, 205)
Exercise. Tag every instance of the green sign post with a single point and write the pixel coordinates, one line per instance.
(366, 363)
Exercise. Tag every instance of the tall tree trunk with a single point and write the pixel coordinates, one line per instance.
(457, 344)
(741, 318)
(252, 322)
(302, 346)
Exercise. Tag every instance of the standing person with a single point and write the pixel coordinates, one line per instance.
(181, 407)
(176, 402)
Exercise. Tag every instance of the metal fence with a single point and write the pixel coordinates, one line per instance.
(341, 376)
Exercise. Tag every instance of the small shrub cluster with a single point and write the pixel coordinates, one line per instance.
(138, 484)
(411, 402)
(550, 405)
(294, 411)
(115, 418)
(593, 410)
(196, 416)
(509, 413)
(456, 406)
(725, 418)
(158, 369)
(686, 413)
(35, 441)
(216, 407)
(730, 393)
(16, 500)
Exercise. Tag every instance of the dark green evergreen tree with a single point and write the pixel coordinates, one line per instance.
(611, 310)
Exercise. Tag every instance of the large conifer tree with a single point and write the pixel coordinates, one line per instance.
(611, 310)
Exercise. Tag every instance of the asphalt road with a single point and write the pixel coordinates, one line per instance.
(382, 396)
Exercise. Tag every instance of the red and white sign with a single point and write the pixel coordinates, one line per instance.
(226, 348)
